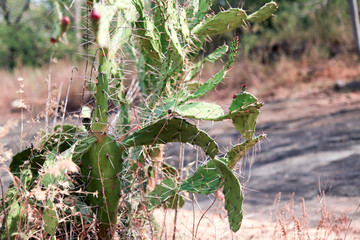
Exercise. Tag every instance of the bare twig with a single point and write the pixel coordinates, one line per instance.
(65, 105)
(202, 216)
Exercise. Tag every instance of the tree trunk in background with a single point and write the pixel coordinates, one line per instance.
(355, 22)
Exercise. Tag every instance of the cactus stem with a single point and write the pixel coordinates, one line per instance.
(101, 97)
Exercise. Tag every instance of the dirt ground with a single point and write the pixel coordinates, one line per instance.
(311, 156)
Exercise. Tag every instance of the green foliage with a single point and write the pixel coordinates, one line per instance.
(172, 130)
(50, 217)
(13, 219)
(166, 194)
(238, 151)
(245, 120)
(233, 195)
(100, 167)
(205, 180)
(233, 18)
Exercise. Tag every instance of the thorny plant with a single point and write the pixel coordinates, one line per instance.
(83, 180)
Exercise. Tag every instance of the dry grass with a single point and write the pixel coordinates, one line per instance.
(315, 219)
(35, 87)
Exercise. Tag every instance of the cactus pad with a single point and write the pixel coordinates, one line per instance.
(205, 180)
(165, 193)
(237, 152)
(233, 195)
(264, 12)
(172, 130)
(215, 80)
(231, 19)
(244, 112)
(222, 22)
(200, 110)
(100, 167)
(50, 218)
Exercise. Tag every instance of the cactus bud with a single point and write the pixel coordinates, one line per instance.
(244, 86)
(234, 96)
(95, 15)
(53, 40)
(65, 20)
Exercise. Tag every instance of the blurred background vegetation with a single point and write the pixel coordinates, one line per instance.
(312, 27)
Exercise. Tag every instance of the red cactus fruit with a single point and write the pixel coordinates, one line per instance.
(53, 40)
(234, 96)
(244, 86)
(65, 20)
(95, 15)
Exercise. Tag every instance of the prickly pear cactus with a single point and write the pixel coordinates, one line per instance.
(238, 151)
(172, 130)
(101, 165)
(233, 18)
(244, 111)
(205, 180)
(233, 195)
(166, 194)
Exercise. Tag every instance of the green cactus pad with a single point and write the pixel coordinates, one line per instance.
(200, 8)
(28, 155)
(222, 22)
(13, 219)
(123, 31)
(50, 218)
(264, 12)
(100, 167)
(101, 28)
(200, 110)
(205, 180)
(82, 146)
(166, 194)
(172, 130)
(237, 152)
(175, 201)
(233, 195)
(244, 112)
(50, 178)
(231, 19)
(149, 37)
